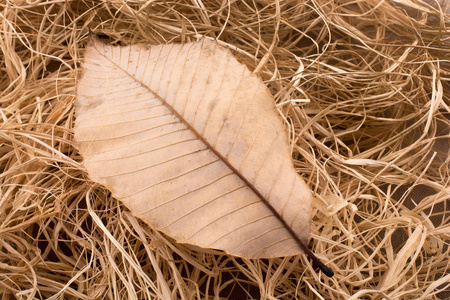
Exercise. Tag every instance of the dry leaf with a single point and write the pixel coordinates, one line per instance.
(190, 141)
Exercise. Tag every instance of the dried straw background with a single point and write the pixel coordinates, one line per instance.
(363, 87)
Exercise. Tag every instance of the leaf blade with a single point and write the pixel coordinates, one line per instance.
(203, 108)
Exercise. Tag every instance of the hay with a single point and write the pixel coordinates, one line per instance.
(364, 90)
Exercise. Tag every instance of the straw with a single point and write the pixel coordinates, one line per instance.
(363, 87)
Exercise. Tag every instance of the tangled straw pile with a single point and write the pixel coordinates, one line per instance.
(363, 87)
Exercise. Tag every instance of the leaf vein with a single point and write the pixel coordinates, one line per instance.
(128, 134)
(257, 237)
(125, 122)
(145, 152)
(243, 225)
(142, 141)
(185, 194)
(171, 178)
(203, 205)
(157, 164)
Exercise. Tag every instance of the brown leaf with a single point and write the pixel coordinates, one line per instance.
(190, 141)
